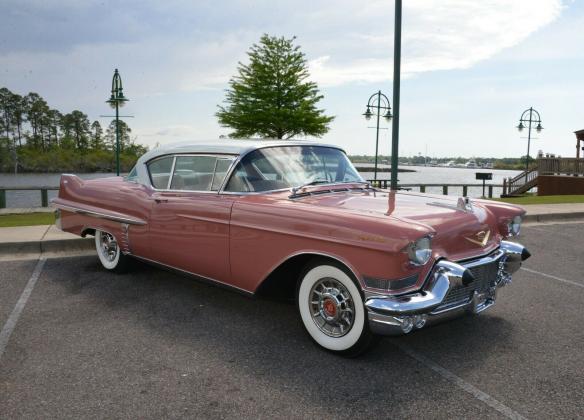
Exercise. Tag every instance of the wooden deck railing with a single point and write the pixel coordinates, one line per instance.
(385, 183)
(43, 190)
(560, 166)
(520, 182)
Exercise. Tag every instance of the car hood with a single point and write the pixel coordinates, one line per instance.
(457, 232)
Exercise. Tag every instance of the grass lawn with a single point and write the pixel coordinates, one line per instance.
(30, 219)
(546, 199)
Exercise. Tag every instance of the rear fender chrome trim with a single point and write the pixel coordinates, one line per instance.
(99, 215)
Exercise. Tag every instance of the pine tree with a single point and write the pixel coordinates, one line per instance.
(110, 135)
(96, 136)
(271, 96)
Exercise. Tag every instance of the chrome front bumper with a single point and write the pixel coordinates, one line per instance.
(451, 288)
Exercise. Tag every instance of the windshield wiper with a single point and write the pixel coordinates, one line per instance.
(323, 181)
(308, 184)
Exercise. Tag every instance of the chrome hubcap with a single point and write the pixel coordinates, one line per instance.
(332, 308)
(109, 246)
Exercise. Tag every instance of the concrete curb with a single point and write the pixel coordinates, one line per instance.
(47, 246)
(552, 217)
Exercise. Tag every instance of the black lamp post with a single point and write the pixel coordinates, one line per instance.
(531, 119)
(117, 100)
(380, 104)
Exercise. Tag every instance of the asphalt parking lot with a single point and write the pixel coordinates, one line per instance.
(152, 344)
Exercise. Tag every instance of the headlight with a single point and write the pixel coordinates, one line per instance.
(514, 226)
(420, 251)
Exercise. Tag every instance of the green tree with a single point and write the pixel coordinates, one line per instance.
(96, 136)
(6, 112)
(18, 116)
(271, 96)
(110, 136)
(76, 127)
(36, 109)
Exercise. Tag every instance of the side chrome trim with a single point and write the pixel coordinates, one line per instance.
(198, 276)
(203, 219)
(350, 242)
(99, 215)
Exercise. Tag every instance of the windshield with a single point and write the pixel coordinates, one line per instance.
(282, 167)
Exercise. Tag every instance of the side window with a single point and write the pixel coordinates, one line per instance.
(159, 170)
(199, 173)
(238, 181)
(133, 175)
(223, 165)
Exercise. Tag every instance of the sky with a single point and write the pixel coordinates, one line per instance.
(469, 67)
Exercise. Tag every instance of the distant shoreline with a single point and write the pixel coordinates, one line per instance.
(380, 169)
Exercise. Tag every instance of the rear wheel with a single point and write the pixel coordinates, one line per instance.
(332, 310)
(109, 252)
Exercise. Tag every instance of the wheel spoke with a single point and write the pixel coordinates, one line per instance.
(331, 307)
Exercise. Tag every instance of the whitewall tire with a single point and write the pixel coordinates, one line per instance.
(332, 309)
(109, 253)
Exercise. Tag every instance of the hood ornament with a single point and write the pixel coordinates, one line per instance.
(464, 203)
(481, 238)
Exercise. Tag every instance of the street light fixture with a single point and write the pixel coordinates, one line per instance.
(117, 100)
(533, 118)
(379, 102)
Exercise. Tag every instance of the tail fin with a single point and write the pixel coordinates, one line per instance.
(69, 182)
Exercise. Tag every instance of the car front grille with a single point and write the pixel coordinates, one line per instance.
(485, 277)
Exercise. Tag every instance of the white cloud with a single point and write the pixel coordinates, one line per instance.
(437, 35)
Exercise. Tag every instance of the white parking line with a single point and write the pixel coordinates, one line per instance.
(573, 283)
(462, 384)
(13, 318)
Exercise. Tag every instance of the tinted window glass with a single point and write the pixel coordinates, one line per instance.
(283, 167)
(220, 171)
(160, 172)
(199, 173)
(133, 175)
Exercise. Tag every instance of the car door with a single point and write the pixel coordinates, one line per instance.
(189, 220)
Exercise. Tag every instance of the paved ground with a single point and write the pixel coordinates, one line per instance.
(152, 344)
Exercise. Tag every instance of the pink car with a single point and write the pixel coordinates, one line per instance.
(296, 219)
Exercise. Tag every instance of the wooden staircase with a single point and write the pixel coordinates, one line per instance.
(520, 184)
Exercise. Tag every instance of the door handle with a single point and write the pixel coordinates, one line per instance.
(161, 200)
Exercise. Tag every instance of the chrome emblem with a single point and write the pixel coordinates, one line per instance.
(481, 238)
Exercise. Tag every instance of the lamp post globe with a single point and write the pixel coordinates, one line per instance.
(116, 101)
(529, 116)
(381, 108)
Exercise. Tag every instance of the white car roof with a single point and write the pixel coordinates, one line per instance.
(225, 146)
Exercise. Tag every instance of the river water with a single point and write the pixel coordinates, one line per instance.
(421, 175)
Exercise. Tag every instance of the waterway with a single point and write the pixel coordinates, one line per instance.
(420, 175)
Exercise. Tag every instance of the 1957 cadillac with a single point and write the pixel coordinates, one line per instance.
(296, 218)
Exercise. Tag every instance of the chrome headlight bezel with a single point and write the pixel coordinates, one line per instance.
(420, 251)
(514, 226)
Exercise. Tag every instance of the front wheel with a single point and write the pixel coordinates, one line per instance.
(332, 310)
(109, 252)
